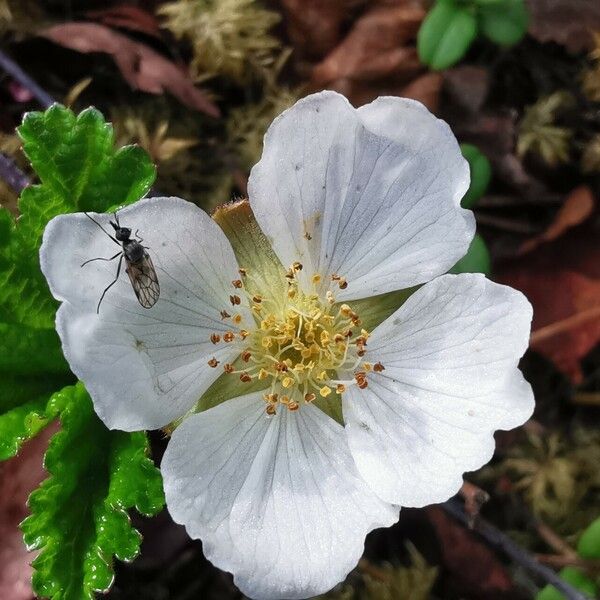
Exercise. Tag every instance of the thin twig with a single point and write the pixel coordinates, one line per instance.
(548, 331)
(586, 399)
(558, 561)
(13, 69)
(554, 540)
(506, 224)
(12, 175)
(500, 541)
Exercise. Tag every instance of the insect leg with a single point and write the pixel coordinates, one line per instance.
(139, 239)
(106, 259)
(110, 284)
(106, 232)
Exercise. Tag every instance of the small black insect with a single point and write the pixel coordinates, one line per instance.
(139, 264)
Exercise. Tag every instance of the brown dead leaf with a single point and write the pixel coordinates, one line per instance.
(375, 47)
(18, 477)
(474, 569)
(378, 57)
(562, 281)
(143, 68)
(315, 27)
(467, 87)
(425, 89)
(578, 206)
(566, 22)
(127, 17)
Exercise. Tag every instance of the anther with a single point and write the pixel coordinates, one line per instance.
(293, 405)
(325, 391)
(242, 272)
(225, 314)
(297, 266)
(236, 283)
(316, 278)
(330, 297)
(310, 397)
(257, 299)
(245, 377)
(213, 362)
(340, 388)
(237, 319)
(271, 410)
(378, 367)
(244, 334)
(228, 336)
(235, 299)
(361, 379)
(246, 355)
(228, 368)
(215, 338)
(342, 283)
(345, 310)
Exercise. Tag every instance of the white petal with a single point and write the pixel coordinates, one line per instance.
(142, 367)
(451, 379)
(276, 501)
(377, 190)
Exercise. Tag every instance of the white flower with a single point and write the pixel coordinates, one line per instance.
(355, 203)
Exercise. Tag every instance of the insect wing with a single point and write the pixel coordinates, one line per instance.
(144, 280)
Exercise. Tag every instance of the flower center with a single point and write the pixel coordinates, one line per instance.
(300, 343)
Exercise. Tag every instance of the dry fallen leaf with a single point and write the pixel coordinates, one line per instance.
(376, 46)
(143, 68)
(127, 17)
(474, 569)
(467, 87)
(18, 477)
(567, 22)
(578, 206)
(562, 281)
(378, 57)
(315, 27)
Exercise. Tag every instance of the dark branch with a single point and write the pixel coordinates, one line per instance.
(498, 540)
(12, 175)
(13, 69)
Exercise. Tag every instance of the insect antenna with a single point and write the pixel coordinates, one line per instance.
(106, 232)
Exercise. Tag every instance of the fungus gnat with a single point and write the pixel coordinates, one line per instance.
(139, 264)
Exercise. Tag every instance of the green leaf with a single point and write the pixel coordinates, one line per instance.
(32, 367)
(79, 169)
(79, 519)
(481, 173)
(576, 578)
(27, 350)
(504, 22)
(446, 34)
(589, 543)
(476, 260)
(23, 403)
